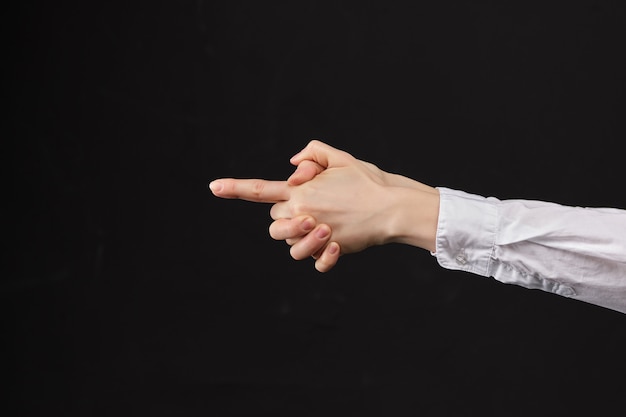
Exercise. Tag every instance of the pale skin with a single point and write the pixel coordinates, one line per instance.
(335, 204)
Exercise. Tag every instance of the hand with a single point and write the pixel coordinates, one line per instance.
(307, 168)
(362, 204)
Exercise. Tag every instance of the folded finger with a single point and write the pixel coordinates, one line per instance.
(282, 210)
(306, 171)
(311, 243)
(285, 229)
(328, 258)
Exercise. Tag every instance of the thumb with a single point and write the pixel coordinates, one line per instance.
(306, 171)
(322, 154)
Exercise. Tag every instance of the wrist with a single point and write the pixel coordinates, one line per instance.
(414, 217)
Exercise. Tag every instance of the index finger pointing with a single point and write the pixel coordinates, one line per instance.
(259, 191)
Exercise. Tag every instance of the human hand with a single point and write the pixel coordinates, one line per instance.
(362, 204)
(310, 162)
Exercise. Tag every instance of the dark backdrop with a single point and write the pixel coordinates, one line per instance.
(130, 290)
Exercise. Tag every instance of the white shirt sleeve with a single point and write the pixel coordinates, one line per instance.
(575, 252)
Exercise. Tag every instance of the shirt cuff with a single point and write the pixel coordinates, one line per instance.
(466, 231)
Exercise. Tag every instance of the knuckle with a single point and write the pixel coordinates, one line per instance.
(322, 266)
(273, 232)
(284, 229)
(257, 188)
(299, 208)
(295, 253)
(273, 212)
(280, 211)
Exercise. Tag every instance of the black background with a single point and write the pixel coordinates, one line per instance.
(130, 290)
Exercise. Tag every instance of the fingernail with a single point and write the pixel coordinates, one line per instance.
(307, 225)
(333, 248)
(322, 232)
(216, 186)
